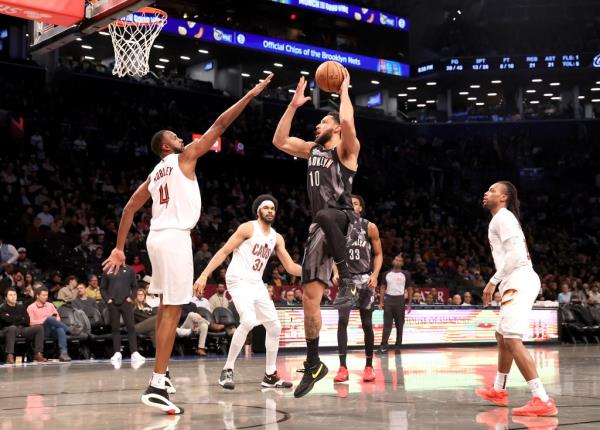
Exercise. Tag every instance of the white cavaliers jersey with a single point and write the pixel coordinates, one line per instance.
(250, 258)
(503, 226)
(175, 198)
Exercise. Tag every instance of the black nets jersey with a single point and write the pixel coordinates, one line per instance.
(358, 246)
(328, 181)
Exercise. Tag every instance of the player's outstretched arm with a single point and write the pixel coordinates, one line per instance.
(373, 232)
(282, 140)
(201, 146)
(117, 257)
(284, 257)
(242, 233)
(350, 144)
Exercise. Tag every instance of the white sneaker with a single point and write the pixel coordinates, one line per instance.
(136, 356)
(117, 356)
(183, 332)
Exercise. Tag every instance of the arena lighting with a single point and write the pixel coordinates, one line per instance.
(556, 98)
(79, 39)
(534, 102)
(267, 72)
(479, 104)
(421, 105)
(597, 82)
(402, 95)
(464, 93)
(474, 86)
(202, 51)
(536, 80)
(595, 89)
(245, 75)
(335, 96)
(554, 84)
(431, 84)
(530, 91)
(304, 72)
(411, 88)
(158, 47)
(184, 57)
(430, 102)
(375, 82)
(548, 94)
(278, 64)
(581, 97)
(87, 57)
(412, 100)
(595, 100)
(104, 33)
(86, 47)
(496, 81)
(291, 91)
(471, 98)
(261, 80)
(459, 12)
(159, 66)
(163, 60)
(492, 94)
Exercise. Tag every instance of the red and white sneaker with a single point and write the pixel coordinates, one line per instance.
(494, 419)
(342, 375)
(536, 408)
(368, 374)
(499, 398)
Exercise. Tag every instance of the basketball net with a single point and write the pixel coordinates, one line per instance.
(133, 37)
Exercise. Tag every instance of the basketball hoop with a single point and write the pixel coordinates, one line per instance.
(132, 38)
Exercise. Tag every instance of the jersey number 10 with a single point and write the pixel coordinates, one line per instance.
(315, 178)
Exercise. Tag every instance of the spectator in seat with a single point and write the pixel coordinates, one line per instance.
(200, 301)
(93, 288)
(42, 312)
(83, 301)
(497, 299)
(429, 299)
(152, 300)
(276, 278)
(437, 298)
(23, 263)
(467, 299)
(8, 253)
(45, 216)
(14, 322)
(271, 290)
(118, 290)
(218, 299)
(417, 298)
(456, 300)
(68, 293)
(594, 295)
(564, 297)
(290, 300)
(298, 293)
(144, 316)
(54, 284)
(194, 323)
(138, 267)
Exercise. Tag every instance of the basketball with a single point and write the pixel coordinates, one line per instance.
(329, 76)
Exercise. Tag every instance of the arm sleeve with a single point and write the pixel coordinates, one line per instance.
(515, 253)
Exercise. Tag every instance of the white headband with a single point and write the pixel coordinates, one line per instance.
(265, 203)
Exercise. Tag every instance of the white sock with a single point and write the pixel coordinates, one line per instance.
(537, 389)
(158, 380)
(237, 343)
(500, 382)
(271, 360)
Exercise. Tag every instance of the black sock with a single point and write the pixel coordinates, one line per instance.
(312, 351)
(343, 360)
(369, 361)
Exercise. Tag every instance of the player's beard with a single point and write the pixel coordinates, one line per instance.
(177, 149)
(265, 220)
(324, 137)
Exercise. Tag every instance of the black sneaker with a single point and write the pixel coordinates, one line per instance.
(273, 381)
(168, 384)
(347, 294)
(383, 349)
(159, 398)
(312, 374)
(226, 379)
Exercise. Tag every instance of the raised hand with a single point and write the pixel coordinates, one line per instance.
(299, 97)
(258, 88)
(346, 82)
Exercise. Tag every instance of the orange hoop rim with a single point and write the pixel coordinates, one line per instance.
(160, 15)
